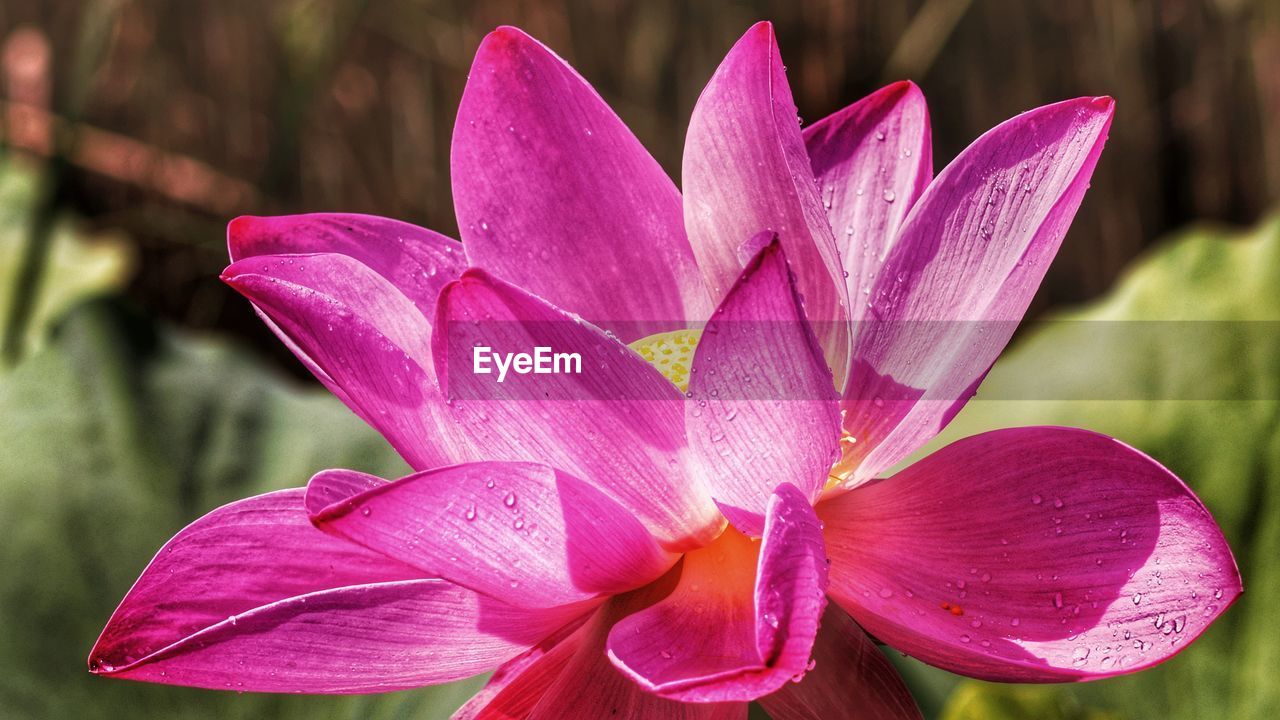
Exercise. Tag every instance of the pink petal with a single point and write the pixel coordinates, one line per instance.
(252, 597)
(871, 160)
(618, 424)
(515, 689)
(969, 257)
(759, 382)
(554, 192)
(330, 487)
(1032, 554)
(850, 680)
(526, 533)
(366, 341)
(417, 261)
(728, 632)
(588, 686)
(745, 170)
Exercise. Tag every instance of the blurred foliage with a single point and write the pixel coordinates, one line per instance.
(183, 114)
(116, 435)
(973, 702)
(1227, 449)
(74, 267)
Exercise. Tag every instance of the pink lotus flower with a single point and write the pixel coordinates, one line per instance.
(618, 546)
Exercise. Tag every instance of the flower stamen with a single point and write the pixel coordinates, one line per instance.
(671, 353)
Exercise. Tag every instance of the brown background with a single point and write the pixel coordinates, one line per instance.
(173, 116)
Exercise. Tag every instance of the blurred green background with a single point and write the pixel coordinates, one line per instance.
(137, 392)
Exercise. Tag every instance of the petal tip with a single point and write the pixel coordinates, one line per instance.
(503, 43)
(758, 37)
(239, 230)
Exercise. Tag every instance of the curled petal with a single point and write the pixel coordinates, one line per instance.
(871, 160)
(763, 408)
(742, 620)
(746, 170)
(554, 192)
(526, 533)
(966, 263)
(331, 487)
(252, 597)
(1034, 554)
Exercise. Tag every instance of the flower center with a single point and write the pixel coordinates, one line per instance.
(671, 353)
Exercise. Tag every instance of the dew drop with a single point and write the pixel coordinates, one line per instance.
(1080, 656)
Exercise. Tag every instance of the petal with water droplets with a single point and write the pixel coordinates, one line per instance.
(728, 632)
(871, 160)
(554, 192)
(956, 282)
(617, 424)
(746, 170)
(1034, 554)
(252, 597)
(365, 340)
(522, 532)
(762, 407)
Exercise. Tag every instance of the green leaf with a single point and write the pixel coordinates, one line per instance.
(983, 701)
(75, 267)
(116, 435)
(1199, 395)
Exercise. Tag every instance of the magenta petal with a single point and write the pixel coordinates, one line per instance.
(363, 639)
(958, 279)
(588, 686)
(252, 597)
(763, 408)
(554, 192)
(417, 261)
(525, 533)
(850, 680)
(618, 424)
(516, 688)
(330, 487)
(871, 160)
(364, 339)
(737, 626)
(1034, 554)
(746, 170)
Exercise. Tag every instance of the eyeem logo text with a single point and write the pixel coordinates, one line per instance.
(484, 361)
